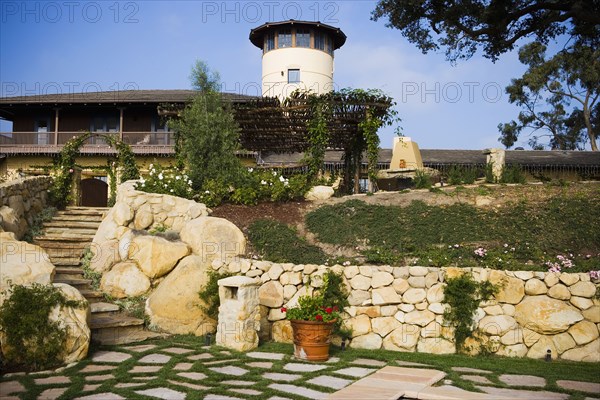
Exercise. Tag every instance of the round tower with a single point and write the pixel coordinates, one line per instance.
(297, 55)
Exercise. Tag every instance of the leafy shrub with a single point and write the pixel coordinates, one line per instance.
(89, 273)
(210, 293)
(422, 180)
(32, 339)
(457, 175)
(463, 295)
(278, 242)
(35, 229)
(166, 180)
(512, 174)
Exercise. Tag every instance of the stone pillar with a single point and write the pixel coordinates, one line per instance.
(239, 313)
(496, 157)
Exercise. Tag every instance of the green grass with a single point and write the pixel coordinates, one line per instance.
(551, 371)
(278, 242)
(522, 235)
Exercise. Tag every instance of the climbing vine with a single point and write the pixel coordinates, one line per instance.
(369, 127)
(125, 159)
(318, 135)
(463, 294)
(31, 338)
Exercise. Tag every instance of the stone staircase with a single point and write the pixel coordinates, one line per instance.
(65, 239)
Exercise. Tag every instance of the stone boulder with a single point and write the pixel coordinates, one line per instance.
(104, 255)
(10, 221)
(174, 306)
(156, 256)
(404, 338)
(546, 315)
(319, 193)
(214, 239)
(23, 263)
(511, 290)
(370, 341)
(125, 280)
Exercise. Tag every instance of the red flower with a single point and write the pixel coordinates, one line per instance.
(283, 309)
(319, 317)
(336, 308)
(328, 310)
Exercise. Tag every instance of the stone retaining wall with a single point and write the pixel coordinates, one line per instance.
(20, 201)
(400, 308)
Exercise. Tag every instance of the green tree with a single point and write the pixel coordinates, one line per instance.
(462, 27)
(206, 133)
(568, 84)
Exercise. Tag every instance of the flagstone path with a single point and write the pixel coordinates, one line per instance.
(184, 371)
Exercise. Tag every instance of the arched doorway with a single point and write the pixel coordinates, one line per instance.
(94, 193)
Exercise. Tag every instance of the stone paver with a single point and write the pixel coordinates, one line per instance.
(277, 398)
(141, 348)
(298, 367)
(155, 359)
(144, 369)
(202, 356)
(9, 387)
(195, 376)
(250, 392)
(128, 385)
(261, 364)
(523, 394)
(90, 388)
(333, 360)
(477, 379)
(238, 383)
(265, 355)
(522, 380)
(98, 378)
(97, 368)
(163, 393)
(276, 376)
(52, 380)
(471, 370)
(356, 372)
(51, 394)
(183, 366)
(330, 382)
(588, 387)
(369, 362)
(299, 391)
(218, 362)
(110, 356)
(220, 397)
(411, 364)
(143, 378)
(177, 350)
(189, 385)
(102, 396)
(230, 370)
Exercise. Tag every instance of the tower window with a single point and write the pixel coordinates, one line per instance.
(302, 38)
(285, 38)
(293, 76)
(269, 42)
(319, 41)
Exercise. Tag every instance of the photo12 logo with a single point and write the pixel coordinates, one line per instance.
(33, 89)
(451, 92)
(255, 12)
(69, 11)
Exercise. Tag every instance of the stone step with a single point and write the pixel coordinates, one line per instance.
(92, 296)
(78, 218)
(67, 273)
(102, 308)
(69, 240)
(79, 283)
(64, 244)
(92, 212)
(70, 233)
(87, 208)
(72, 224)
(64, 257)
(115, 329)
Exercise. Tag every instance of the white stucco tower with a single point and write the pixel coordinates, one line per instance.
(297, 54)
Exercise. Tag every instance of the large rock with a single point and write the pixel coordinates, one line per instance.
(541, 347)
(385, 295)
(282, 332)
(497, 324)
(384, 325)
(271, 294)
(436, 346)
(11, 222)
(414, 295)
(23, 263)
(214, 239)
(74, 319)
(104, 255)
(421, 318)
(174, 306)
(545, 315)
(381, 279)
(125, 280)
(360, 325)
(533, 287)
(584, 332)
(156, 256)
(370, 341)
(122, 214)
(583, 289)
(588, 353)
(511, 290)
(319, 193)
(404, 338)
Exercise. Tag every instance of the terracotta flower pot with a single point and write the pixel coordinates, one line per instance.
(311, 339)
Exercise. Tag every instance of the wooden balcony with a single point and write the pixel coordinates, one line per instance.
(31, 143)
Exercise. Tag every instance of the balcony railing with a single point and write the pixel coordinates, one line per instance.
(29, 139)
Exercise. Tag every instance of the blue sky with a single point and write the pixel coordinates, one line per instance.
(66, 46)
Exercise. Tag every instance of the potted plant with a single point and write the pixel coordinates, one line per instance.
(314, 319)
